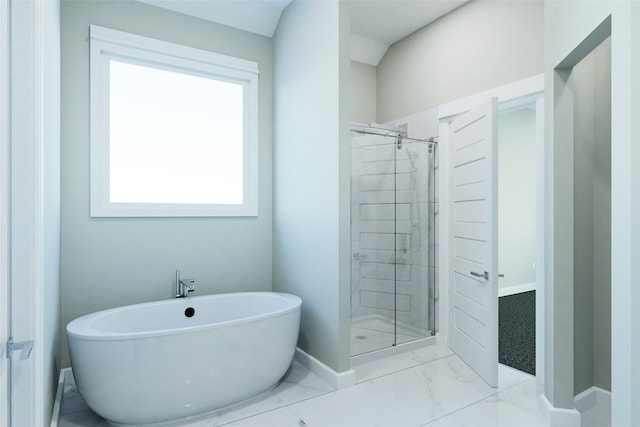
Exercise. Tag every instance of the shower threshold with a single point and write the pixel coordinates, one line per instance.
(374, 334)
(391, 351)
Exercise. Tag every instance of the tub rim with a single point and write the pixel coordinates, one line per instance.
(82, 327)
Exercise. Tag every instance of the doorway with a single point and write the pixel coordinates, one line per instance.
(517, 160)
(510, 97)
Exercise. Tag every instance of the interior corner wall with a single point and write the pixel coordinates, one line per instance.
(479, 46)
(312, 172)
(582, 85)
(363, 93)
(602, 219)
(590, 82)
(567, 25)
(109, 262)
(51, 202)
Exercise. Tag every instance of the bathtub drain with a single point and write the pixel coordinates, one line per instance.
(189, 312)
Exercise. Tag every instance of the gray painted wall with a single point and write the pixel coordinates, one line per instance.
(364, 80)
(479, 46)
(591, 84)
(112, 262)
(602, 219)
(581, 82)
(311, 173)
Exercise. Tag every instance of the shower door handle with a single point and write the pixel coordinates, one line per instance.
(484, 275)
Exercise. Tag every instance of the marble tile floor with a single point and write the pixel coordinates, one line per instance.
(430, 387)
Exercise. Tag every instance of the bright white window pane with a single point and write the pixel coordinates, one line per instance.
(173, 137)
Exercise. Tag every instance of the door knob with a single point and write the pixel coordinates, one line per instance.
(484, 275)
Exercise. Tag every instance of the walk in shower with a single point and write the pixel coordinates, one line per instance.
(393, 238)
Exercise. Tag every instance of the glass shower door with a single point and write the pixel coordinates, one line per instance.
(373, 243)
(392, 277)
(415, 241)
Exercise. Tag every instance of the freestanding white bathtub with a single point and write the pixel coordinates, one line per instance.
(168, 360)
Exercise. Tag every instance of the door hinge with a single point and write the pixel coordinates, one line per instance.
(24, 347)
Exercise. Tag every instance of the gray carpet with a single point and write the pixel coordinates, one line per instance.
(517, 331)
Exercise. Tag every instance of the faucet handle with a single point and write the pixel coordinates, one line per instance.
(189, 284)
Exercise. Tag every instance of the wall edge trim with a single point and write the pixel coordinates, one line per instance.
(558, 417)
(337, 380)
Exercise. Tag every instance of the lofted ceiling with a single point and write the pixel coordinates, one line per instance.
(375, 24)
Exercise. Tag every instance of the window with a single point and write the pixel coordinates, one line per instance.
(173, 129)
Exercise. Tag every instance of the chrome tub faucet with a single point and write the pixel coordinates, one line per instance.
(184, 286)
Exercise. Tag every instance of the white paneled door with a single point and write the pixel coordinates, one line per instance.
(474, 245)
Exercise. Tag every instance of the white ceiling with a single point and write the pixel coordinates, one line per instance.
(375, 24)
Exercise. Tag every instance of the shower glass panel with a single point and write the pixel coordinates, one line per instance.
(393, 262)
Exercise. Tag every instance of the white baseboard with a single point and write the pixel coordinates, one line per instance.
(585, 400)
(592, 397)
(57, 403)
(594, 405)
(558, 417)
(518, 289)
(336, 379)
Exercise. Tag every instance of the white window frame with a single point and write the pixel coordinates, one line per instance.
(107, 44)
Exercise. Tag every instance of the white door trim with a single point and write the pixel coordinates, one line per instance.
(529, 89)
(4, 207)
(540, 246)
(27, 209)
